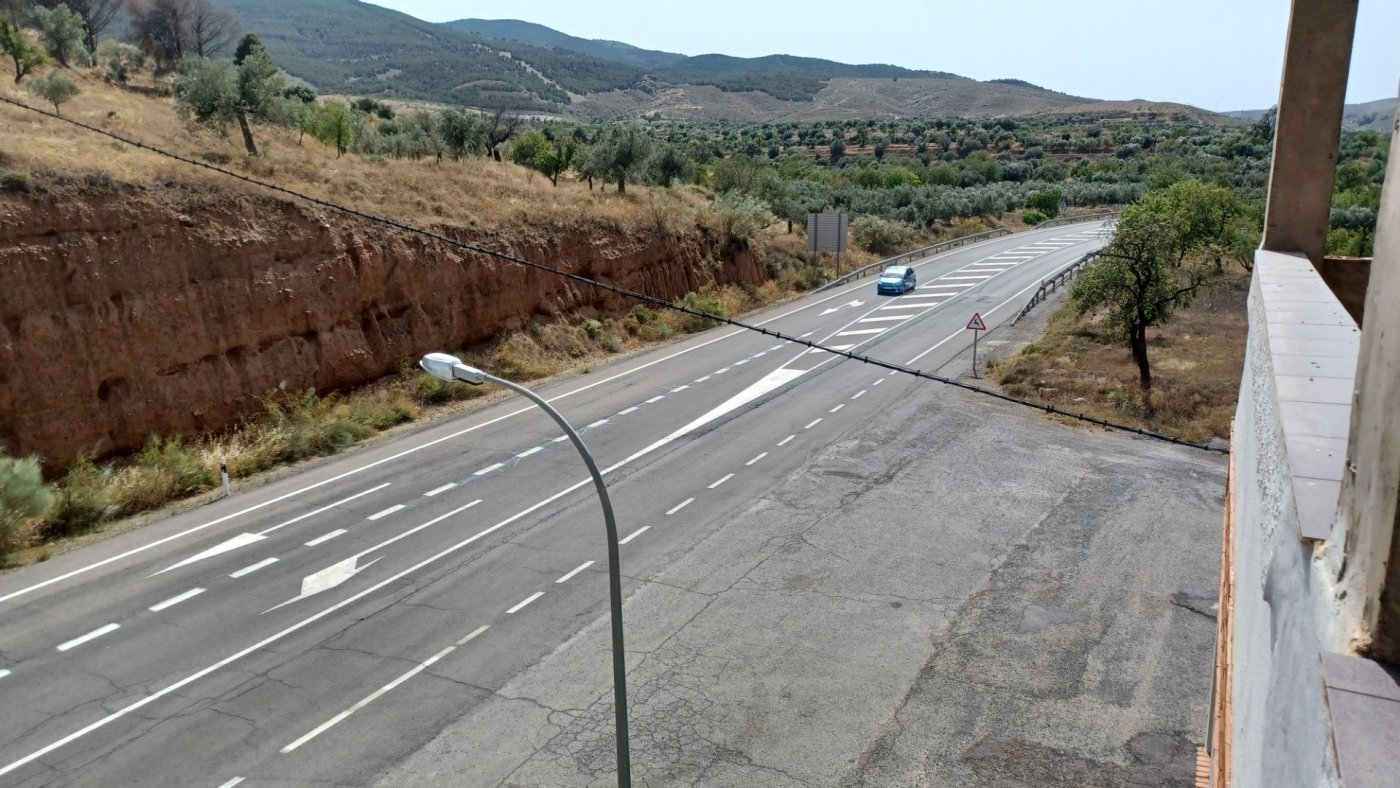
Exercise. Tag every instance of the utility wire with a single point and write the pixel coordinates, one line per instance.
(583, 280)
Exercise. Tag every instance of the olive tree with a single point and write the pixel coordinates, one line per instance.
(62, 31)
(219, 93)
(25, 55)
(54, 88)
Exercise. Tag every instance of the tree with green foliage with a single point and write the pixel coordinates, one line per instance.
(624, 154)
(838, 151)
(62, 33)
(527, 146)
(1047, 201)
(220, 93)
(121, 60)
(1140, 277)
(333, 123)
(96, 15)
(23, 497)
(463, 132)
(23, 52)
(669, 164)
(555, 159)
(246, 45)
(54, 88)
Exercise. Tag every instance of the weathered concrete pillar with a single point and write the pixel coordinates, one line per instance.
(1369, 569)
(1309, 126)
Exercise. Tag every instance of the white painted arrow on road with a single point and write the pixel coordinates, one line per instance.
(326, 579)
(843, 306)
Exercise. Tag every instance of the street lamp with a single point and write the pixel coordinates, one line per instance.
(450, 368)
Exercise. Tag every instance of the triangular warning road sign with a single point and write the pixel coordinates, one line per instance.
(976, 324)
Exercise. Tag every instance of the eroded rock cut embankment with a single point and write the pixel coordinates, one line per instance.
(125, 311)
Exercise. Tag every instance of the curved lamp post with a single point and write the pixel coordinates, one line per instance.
(451, 368)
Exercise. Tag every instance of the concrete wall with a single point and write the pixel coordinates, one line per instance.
(1281, 725)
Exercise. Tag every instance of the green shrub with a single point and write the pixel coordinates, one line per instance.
(23, 497)
(163, 471)
(1032, 216)
(881, 236)
(739, 217)
(14, 181)
(82, 502)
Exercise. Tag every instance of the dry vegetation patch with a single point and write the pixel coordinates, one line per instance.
(1083, 365)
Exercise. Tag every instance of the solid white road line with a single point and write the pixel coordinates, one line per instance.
(814, 423)
(756, 459)
(658, 398)
(489, 468)
(387, 512)
(231, 783)
(785, 441)
(326, 537)
(861, 332)
(722, 480)
(368, 699)
(248, 570)
(536, 450)
(96, 633)
(575, 571)
(859, 394)
(633, 535)
(679, 506)
(838, 407)
(175, 600)
(520, 605)
(626, 411)
(440, 490)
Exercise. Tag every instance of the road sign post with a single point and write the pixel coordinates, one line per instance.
(976, 326)
(827, 232)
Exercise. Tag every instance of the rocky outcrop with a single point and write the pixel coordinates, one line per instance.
(126, 311)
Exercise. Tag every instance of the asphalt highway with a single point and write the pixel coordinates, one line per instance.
(316, 629)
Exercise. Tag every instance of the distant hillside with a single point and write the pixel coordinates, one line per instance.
(541, 36)
(1376, 115)
(347, 46)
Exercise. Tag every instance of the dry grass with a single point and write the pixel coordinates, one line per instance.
(1082, 365)
(474, 192)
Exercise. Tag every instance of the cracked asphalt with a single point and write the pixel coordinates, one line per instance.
(961, 594)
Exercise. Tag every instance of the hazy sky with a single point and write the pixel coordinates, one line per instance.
(1215, 54)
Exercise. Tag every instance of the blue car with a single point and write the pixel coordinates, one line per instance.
(897, 279)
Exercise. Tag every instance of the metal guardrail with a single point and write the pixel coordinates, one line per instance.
(1056, 281)
(1088, 217)
(943, 246)
(917, 254)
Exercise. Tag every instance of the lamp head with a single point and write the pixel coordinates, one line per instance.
(449, 368)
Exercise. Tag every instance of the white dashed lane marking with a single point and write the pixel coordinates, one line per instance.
(813, 423)
(859, 394)
(722, 480)
(785, 441)
(489, 468)
(386, 512)
(861, 332)
(756, 459)
(679, 506)
(93, 635)
(838, 407)
(632, 409)
(440, 490)
(175, 600)
(573, 572)
(522, 455)
(248, 570)
(325, 537)
(633, 535)
(4, 673)
(527, 600)
(889, 319)
(660, 397)
(596, 424)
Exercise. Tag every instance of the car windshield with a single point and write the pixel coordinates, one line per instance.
(892, 273)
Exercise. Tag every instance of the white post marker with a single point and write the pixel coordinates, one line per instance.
(223, 471)
(976, 326)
